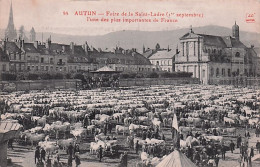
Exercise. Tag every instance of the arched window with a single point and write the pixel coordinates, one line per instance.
(212, 72)
(208, 50)
(214, 51)
(217, 72)
(237, 54)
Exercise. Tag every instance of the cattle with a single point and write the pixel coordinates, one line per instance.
(49, 147)
(122, 129)
(64, 143)
(230, 131)
(214, 138)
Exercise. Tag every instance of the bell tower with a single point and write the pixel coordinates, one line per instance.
(235, 31)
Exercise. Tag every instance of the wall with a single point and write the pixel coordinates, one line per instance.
(39, 85)
(156, 81)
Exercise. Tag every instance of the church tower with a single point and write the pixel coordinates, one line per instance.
(235, 31)
(32, 35)
(10, 31)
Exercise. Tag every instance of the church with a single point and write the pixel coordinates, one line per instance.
(213, 59)
(11, 32)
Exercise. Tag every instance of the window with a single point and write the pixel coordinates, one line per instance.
(20, 57)
(37, 68)
(183, 68)
(14, 56)
(223, 72)
(42, 59)
(157, 62)
(237, 54)
(229, 72)
(237, 71)
(203, 73)
(212, 72)
(47, 68)
(217, 72)
(28, 68)
(42, 68)
(51, 60)
(4, 67)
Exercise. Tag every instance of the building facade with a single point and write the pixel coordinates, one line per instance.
(210, 57)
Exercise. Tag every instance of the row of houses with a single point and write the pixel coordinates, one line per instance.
(207, 57)
(18, 56)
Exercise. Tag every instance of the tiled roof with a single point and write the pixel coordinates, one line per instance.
(12, 47)
(135, 58)
(212, 40)
(29, 47)
(219, 41)
(163, 54)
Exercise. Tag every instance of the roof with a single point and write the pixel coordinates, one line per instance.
(12, 47)
(29, 47)
(163, 54)
(176, 159)
(212, 40)
(3, 56)
(131, 57)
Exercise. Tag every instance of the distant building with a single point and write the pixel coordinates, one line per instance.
(210, 57)
(10, 31)
(163, 60)
(121, 60)
(32, 35)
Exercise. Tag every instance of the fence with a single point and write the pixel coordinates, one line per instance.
(156, 81)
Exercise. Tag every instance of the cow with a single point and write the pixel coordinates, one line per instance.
(120, 128)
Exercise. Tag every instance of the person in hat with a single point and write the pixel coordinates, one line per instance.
(37, 154)
(100, 152)
(232, 146)
(70, 149)
(43, 154)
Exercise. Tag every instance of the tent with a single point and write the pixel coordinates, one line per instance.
(176, 159)
(105, 70)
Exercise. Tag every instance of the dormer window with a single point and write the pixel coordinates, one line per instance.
(237, 54)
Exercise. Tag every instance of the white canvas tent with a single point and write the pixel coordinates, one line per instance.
(176, 159)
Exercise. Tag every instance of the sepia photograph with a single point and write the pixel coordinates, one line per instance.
(130, 83)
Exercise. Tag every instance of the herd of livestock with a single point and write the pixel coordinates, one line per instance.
(55, 119)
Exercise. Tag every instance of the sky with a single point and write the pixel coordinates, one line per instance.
(48, 15)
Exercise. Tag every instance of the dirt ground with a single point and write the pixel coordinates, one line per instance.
(24, 155)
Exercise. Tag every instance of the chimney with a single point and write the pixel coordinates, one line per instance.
(99, 50)
(21, 44)
(63, 49)
(48, 44)
(5, 46)
(35, 44)
(72, 47)
(177, 50)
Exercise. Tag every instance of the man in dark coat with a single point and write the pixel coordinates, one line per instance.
(37, 154)
(70, 149)
(232, 146)
(43, 154)
(239, 140)
(137, 146)
(100, 152)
